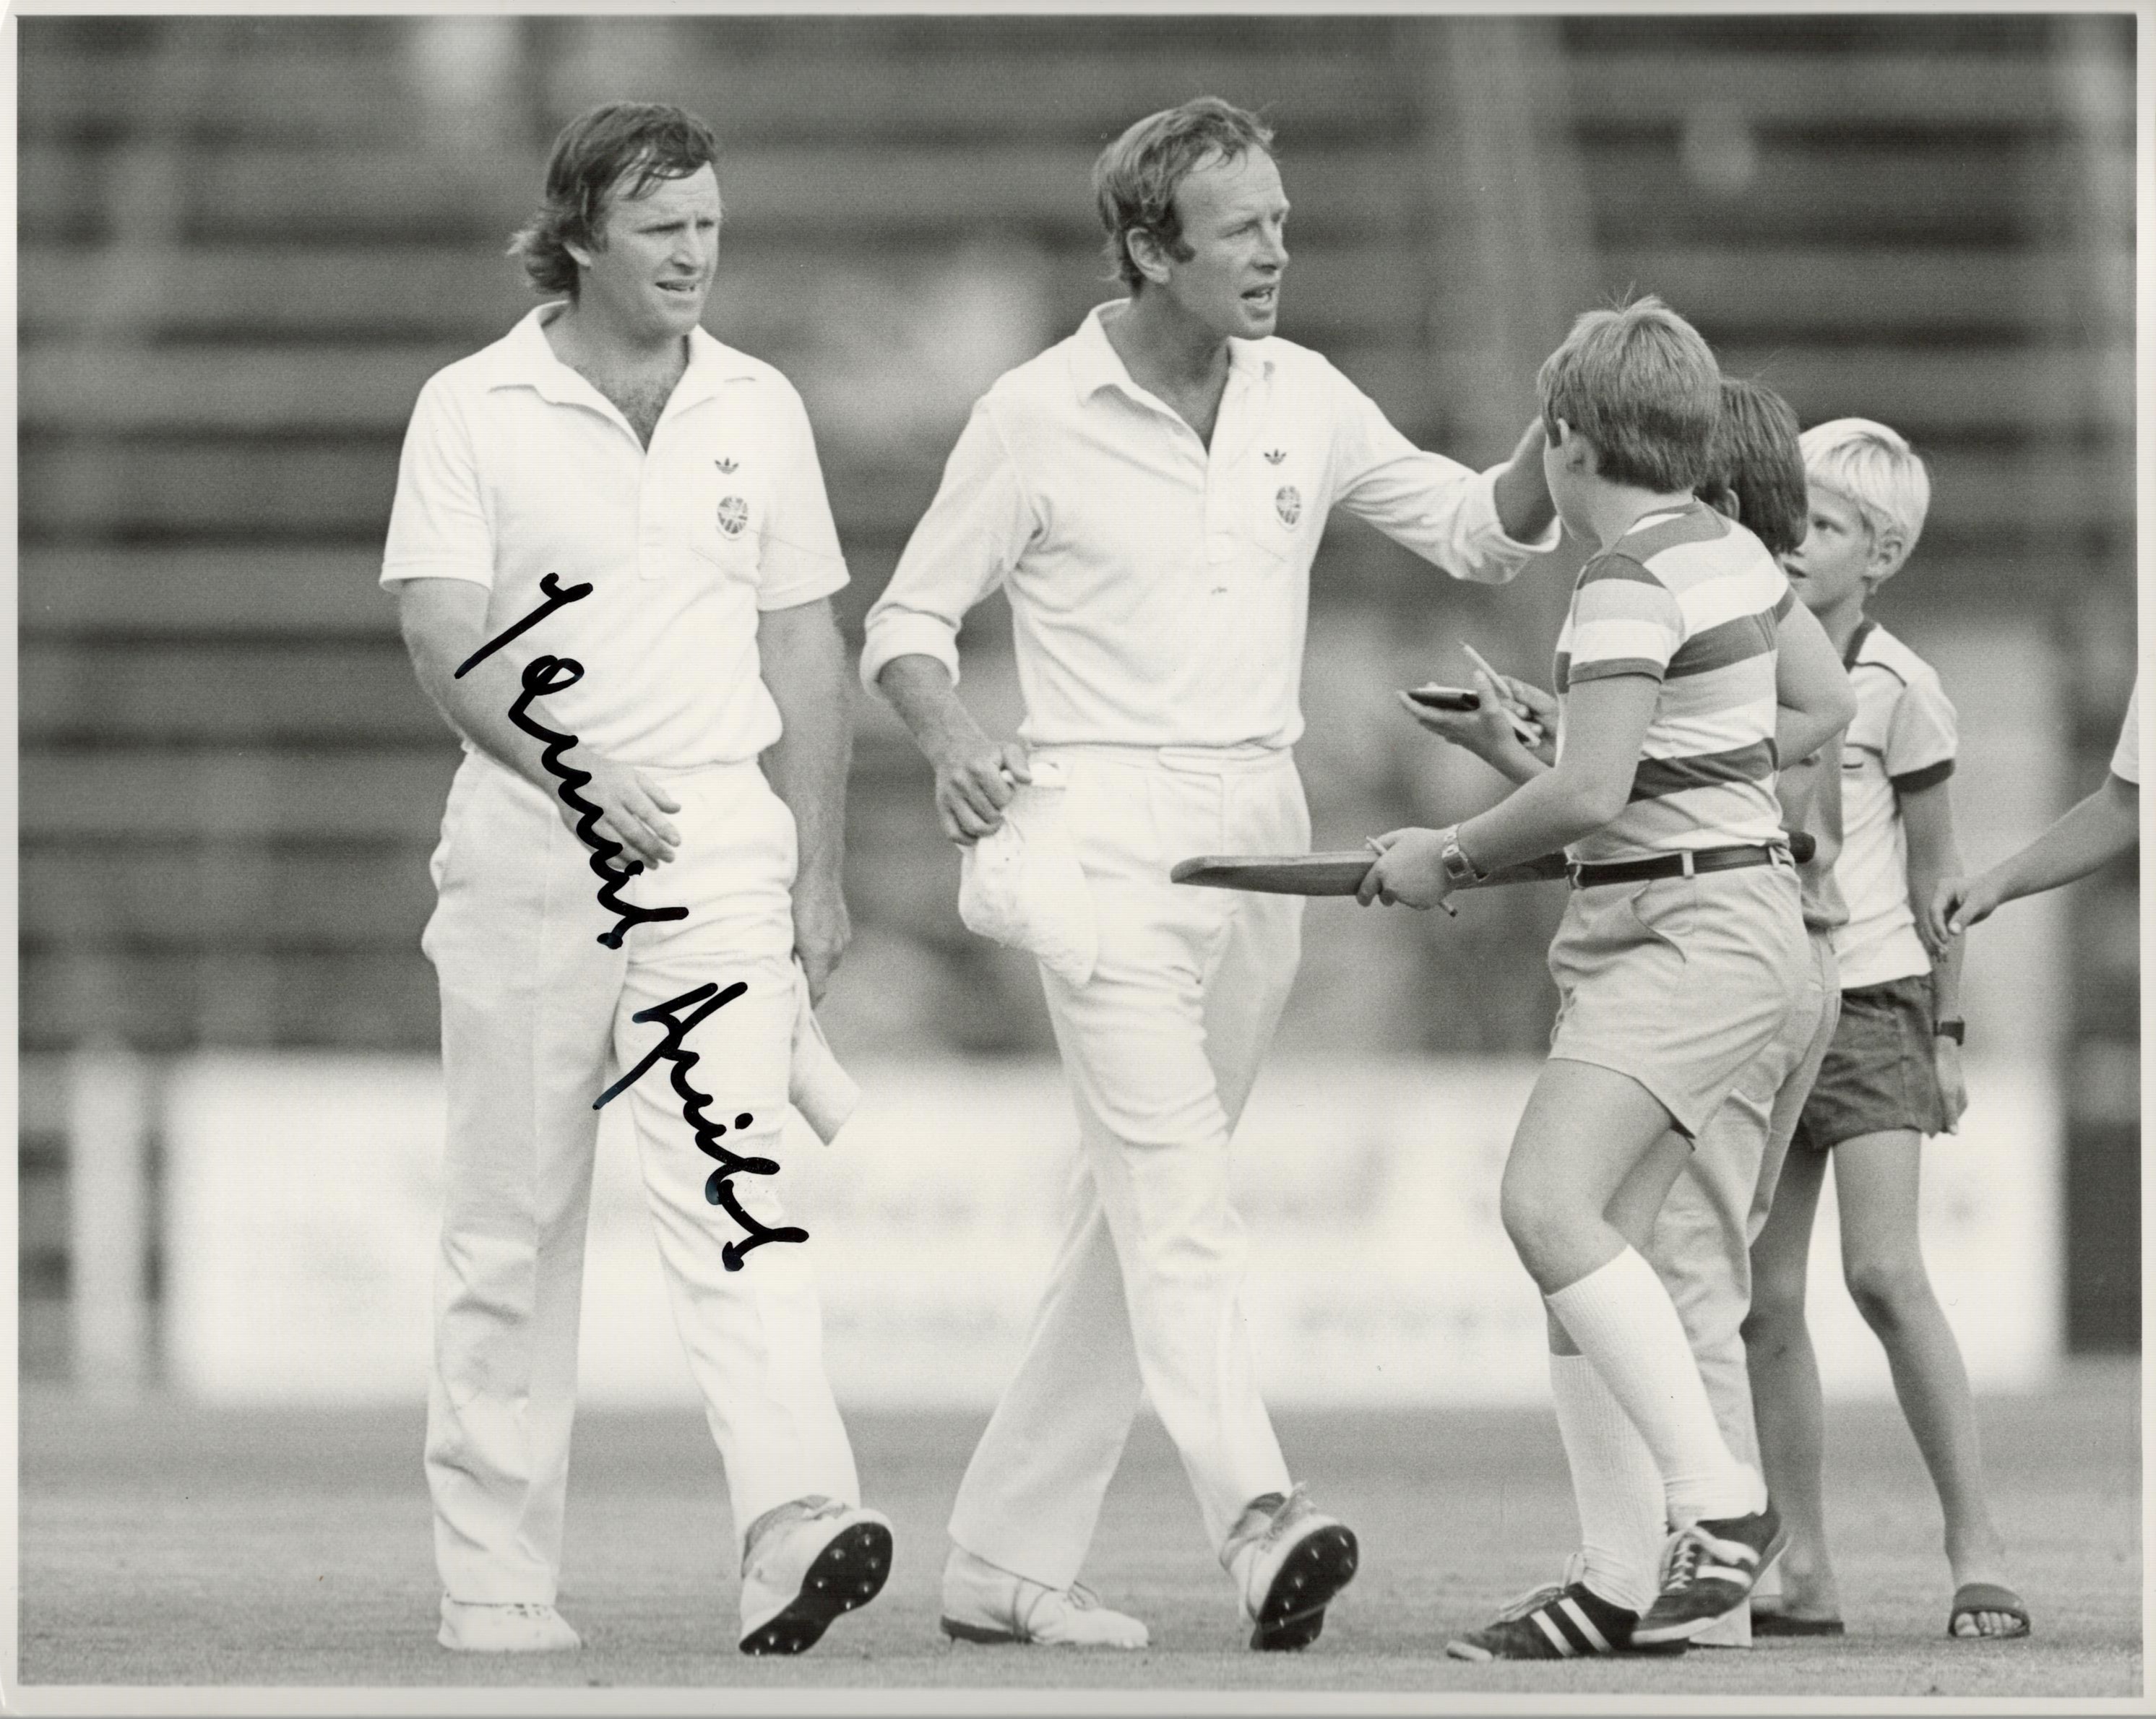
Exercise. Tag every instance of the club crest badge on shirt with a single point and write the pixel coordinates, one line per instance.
(1287, 503)
(733, 514)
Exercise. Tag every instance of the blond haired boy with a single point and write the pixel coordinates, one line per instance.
(1893, 1073)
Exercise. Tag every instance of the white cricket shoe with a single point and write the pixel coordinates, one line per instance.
(828, 1558)
(471, 1628)
(1288, 1561)
(985, 1603)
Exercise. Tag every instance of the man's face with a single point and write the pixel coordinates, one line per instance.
(652, 270)
(1829, 567)
(1234, 223)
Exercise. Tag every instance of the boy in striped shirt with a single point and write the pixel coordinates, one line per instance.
(1893, 1073)
(1698, 1234)
(1681, 950)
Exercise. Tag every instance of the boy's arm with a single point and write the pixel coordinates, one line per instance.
(1928, 822)
(2092, 834)
(1813, 697)
(1797, 783)
(1588, 788)
(1488, 732)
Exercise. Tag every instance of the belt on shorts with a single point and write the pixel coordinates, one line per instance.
(1681, 865)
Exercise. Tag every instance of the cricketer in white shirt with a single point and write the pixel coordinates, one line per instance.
(1159, 588)
(699, 556)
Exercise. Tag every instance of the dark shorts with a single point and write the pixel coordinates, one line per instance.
(1880, 1074)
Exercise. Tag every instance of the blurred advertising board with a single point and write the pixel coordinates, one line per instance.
(300, 1216)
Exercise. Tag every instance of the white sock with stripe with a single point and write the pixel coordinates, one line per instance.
(1624, 1323)
(1615, 1483)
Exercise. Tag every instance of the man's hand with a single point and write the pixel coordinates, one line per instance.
(1959, 903)
(1520, 490)
(633, 811)
(1408, 870)
(974, 784)
(822, 929)
(1953, 1091)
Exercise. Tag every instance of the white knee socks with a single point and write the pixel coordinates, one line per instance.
(1621, 1317)
(1615, 1483)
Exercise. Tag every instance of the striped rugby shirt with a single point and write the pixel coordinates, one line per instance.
(1691, 599)
(1901, 741)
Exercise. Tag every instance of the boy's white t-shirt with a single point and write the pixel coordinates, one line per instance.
(1902, 740)
(2125, 761)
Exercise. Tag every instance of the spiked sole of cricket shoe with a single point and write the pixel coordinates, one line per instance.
(1293, 1615)
(846, 1575)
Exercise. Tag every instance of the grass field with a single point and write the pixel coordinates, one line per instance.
(171, 1544)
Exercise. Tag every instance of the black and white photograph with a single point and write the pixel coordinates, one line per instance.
(1125, 861)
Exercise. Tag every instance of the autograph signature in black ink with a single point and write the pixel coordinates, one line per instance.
(708, 999)
(557, 597)
(544, 674)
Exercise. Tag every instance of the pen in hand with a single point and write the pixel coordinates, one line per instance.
(1527, 727)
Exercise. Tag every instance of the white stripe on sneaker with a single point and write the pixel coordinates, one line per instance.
(1543, 1622)
(1585, 1625)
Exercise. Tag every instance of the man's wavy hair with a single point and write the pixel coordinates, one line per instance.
(619, 149)
(1757, 462)
(1642, 386)
(1135, 180)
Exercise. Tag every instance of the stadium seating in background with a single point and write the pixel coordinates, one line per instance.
(244, 242)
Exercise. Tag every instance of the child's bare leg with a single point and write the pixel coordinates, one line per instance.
(1877, 1177)
(1787, 1405)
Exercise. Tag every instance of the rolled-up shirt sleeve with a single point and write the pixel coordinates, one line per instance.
(438, 527)
(965, 546)
(1444, 511)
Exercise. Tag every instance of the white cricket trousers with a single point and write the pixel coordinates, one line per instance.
(1160, 1048)
(535, 1024)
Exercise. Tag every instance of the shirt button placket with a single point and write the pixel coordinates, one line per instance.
(650, 535)
(1219, 530)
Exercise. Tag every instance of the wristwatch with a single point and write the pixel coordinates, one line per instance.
(1956, 1029)
(1459, 869)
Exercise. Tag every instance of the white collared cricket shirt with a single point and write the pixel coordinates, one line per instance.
(515, 467)
(1160, 589)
